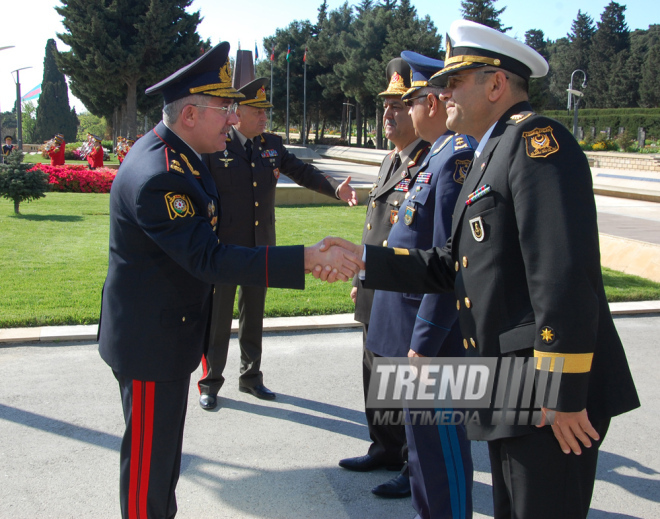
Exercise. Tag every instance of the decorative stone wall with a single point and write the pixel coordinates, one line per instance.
(628, 161)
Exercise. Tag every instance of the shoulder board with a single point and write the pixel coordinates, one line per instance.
(444, 143)
(461, 142)
(172, 163)
(518, 118)
(413, 162)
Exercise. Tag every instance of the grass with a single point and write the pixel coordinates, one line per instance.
(55, 257)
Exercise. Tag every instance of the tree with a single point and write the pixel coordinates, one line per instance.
(611, 38)
(53, 112)
(483, 12)
(539, 88)
(19, 184)
(111, 62)
(649, 88)
(29, 122)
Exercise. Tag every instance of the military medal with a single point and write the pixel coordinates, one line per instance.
(476, 195)
(477, 227)
(409, 216)
(276, 172)
(226, 160)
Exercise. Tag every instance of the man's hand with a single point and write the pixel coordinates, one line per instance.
(346, 193)
(569, 428)
(413, 353)
(354, 294)
(329, 241)
(338, 263)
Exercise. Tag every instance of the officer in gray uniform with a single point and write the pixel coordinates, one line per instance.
(246, 175)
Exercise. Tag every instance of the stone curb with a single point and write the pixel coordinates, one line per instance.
(271, 324)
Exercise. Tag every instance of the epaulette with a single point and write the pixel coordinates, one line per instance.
(461, 142)
(518, 118)
(444, 143)
(175, 165)
(413, 162)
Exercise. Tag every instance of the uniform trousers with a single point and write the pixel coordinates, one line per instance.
(150, 455)
(251, 303)
(441, 472)
(534, 479)
(388, 440)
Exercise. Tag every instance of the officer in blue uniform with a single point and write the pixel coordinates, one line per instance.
(523, 262)
(164, 259)
(413, 324)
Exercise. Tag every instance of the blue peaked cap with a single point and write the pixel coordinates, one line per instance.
(421, 70)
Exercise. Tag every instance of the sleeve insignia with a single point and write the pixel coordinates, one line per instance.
(185, 159)
(179, 206)
(460, 170)
(403, 185)
(540, 142)
(518, 118)
(547, 335)
(176, 166)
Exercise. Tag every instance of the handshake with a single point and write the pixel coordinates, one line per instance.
(334, 259)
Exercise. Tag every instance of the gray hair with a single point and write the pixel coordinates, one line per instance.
(171, 111)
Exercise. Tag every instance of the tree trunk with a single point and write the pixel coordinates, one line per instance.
(343, 120)
(316, 130)
(16, 204)
(358, 124)
(379, 129)
(131, 108)
(322, 131)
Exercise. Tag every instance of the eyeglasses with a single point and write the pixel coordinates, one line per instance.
(453, 80)
(226, 110)
(411, 100)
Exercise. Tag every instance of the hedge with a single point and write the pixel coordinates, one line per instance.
(629, 118)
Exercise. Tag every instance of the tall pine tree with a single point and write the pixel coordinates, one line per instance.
(483, 12)
(120, 47)
(539, 87)
(53, 112)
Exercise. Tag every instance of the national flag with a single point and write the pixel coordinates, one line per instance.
(32, 94)
(305, 56)
(288, 52)
(272, 53)
(256, 52)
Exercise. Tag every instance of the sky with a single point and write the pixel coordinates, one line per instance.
(28, 24)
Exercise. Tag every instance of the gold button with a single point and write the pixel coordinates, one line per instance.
(456, 266)
(474, 344)
(396, 218)
(373, 204)
(465, 344)
(468, 303)
(254, 184)
(396, 202)
(256, 204)
(368, 227)
(256, 223)
(183, 319)
(465, 262)
(458, 304)
(384, 243)
(252, 164)
(406, 196)
(413, 197)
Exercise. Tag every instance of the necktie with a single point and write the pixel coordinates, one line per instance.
(395, 165)
(248, 148)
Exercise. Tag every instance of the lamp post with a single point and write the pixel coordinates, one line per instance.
(3, 48)
(574, 97)
(19, 123)
(349, 106)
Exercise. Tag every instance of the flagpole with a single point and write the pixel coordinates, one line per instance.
(287, 96)
(272, 58)
(304, 123)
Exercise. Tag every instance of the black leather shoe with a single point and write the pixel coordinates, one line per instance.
(208, 402)
(366, 463)
(260, 391)
(394, 488)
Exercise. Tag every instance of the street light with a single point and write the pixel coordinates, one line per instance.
(3, 48)
(19, 124)
(575, 96)
(349, 106)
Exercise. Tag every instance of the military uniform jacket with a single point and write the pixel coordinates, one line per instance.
(385, 199)
(164, 258)
(524, 262)
(247, 187)
(424, 221)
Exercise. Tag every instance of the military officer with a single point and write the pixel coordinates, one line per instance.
(164, 259)
(524, 263)
(397, 172)
(246, 175)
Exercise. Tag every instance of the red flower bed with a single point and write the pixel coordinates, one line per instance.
(78, 178)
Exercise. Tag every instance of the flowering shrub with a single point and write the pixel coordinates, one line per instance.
(78, 178)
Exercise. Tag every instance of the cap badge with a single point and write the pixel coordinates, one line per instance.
(477, 226)
(540, 142)
(397, 80)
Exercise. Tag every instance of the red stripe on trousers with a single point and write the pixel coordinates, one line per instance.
(142, 428)
(205, 371)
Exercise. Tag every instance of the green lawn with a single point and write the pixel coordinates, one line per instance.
(54, 261)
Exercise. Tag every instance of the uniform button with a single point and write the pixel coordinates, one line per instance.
(465, 263)
(413, 197)
(465, 344)
(214, 290)
(456, 266)
(256, 204)
(254, 184)
(368, 227)
(474, 344)
(373, 204)
(458, 304)
(396, 202)
(252, 164)
(256, 223)
(384, 243)
(183, 319)
(396, 218)
(468, 303)
(406, 196)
